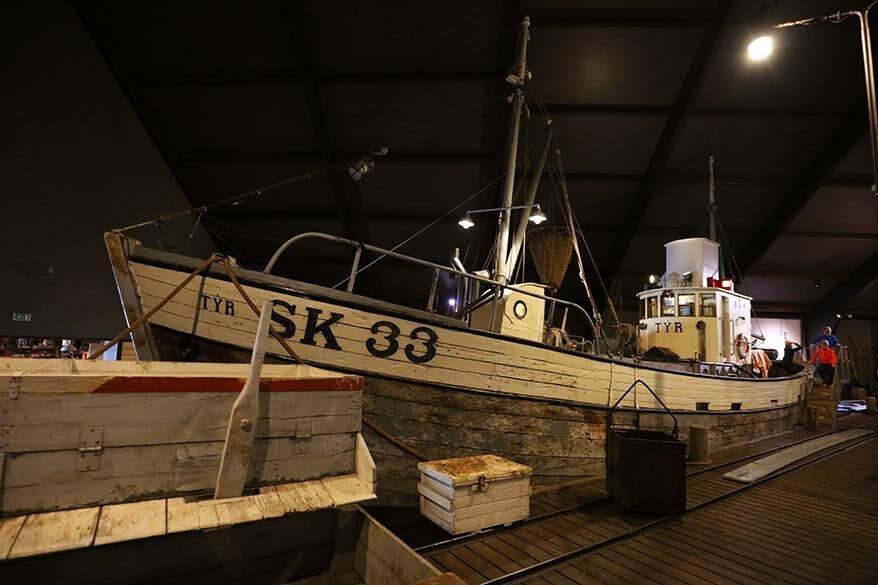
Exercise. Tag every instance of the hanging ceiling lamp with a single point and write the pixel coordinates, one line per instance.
(537, 216)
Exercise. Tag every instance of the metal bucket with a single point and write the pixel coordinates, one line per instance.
(646, 470)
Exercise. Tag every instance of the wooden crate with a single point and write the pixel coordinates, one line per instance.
(78, 433)
(821, 410)
(471, 493)
(823, 392)
(824, 417)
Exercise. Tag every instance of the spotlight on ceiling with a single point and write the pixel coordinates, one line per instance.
(362, 167)
(817, 283)
(537, 216)
(366, 165)
(466, 222)
(760, 48)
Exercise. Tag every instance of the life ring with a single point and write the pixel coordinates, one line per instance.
(742, 345)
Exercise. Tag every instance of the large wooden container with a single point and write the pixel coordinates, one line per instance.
(76, 433)
(471, 493)
(821, 409)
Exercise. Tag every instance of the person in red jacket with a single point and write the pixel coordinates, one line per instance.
(825, 359)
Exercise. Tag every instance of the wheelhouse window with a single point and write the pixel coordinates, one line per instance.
(669, 306)
(708, 305)
(652, 307)
(686, 304)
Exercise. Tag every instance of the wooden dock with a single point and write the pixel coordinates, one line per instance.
(814, 523)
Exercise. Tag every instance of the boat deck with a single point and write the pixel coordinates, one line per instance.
(810, 524)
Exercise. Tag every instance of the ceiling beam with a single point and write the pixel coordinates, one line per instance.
(865, 317)
(345, 192)
(710, 40)
(827, 236)
(299, 155)
(224, 79)
(797, 196)
(397, 214)
(268, 155)
(596, 18)
(838, 299)
(426, 75)
(572, 108)
(133, 101)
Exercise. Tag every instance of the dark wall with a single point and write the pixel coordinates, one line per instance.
(76, 162)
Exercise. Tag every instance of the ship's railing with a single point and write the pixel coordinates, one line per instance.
(721, 369)
(360, 246)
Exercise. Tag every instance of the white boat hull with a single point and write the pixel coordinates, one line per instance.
(448, 390)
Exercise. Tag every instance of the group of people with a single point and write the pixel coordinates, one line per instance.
(41, 348)
(824, 355)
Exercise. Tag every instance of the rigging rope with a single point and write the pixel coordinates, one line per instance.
(425, 228)
(568, 217)
(395, 441)
(213, 259)
(576, 233)
(238, 253)
(210, 261)
(234, 199)
(726, 242)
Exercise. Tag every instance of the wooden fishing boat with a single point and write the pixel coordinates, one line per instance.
(442, 387)
(502, 375)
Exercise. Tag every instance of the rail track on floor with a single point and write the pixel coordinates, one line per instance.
(568, 528)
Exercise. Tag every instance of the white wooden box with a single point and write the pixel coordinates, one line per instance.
(468, 494)
(79, 433)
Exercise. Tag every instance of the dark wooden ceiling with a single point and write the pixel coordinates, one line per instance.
(238, 95)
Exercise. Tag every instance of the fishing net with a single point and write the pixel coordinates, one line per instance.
(551, 248)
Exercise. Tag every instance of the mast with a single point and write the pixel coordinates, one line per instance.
(711, 215)
(529, 197)
(517, 80)
(711, 202)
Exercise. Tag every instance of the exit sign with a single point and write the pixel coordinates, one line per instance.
(21, 317)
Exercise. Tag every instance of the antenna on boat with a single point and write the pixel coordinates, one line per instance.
(725, 245)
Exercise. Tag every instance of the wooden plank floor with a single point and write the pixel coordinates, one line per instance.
(814, 525)
(553, 500)
(492, 556)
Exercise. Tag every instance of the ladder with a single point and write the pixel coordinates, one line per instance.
(846, 370)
